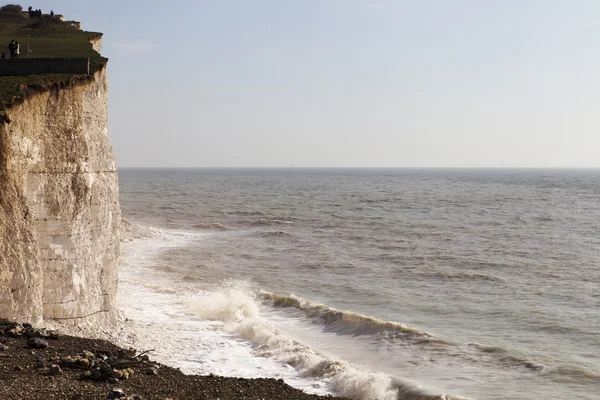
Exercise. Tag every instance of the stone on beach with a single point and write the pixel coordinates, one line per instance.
(37, 343)
(53, 372)
(116, 394)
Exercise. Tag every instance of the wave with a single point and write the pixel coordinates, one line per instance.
(349, 323)
(158, 288)
(245, 213)
(211, 226)
(506, 358)
(376, 201)
(273, 233)
(574, 374)
(459, 276)
(264, 221)
(131, 231)
(239, 308)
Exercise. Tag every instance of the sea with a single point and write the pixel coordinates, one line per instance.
(369, 283)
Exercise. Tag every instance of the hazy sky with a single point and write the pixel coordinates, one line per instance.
(341, 83)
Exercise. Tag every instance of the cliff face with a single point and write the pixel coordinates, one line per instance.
(97, 43)
(59, 207)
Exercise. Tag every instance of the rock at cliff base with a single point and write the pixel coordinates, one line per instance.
(55, 370)
(116, 394)
(37, 343)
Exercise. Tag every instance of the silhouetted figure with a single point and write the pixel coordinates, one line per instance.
(34, 13)
(52, 13)
(3, 55)
(11, 48)
(29, 9)
(17, 49)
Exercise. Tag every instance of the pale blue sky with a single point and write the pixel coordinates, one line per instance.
(350, 83)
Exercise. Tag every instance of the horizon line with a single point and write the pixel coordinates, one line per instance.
(290, 167)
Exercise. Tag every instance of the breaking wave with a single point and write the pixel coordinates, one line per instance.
(211, 226)
(348, 323)
(131, 231)
(238, 307)
(264, 221)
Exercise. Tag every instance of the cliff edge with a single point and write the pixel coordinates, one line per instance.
(59, 204)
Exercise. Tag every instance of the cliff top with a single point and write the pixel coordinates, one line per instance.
(42, 36)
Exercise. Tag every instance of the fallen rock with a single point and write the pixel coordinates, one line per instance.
(129, 353)
(67, 361)
(55, 370)
(37, 343)
(96, 374)
(105, 368)
(15, 331)
(87, 354)
(30, 332)
(54, 335)
(116, 374)
(83, 362)
(119, 362)
(116, 394)
(86, 375)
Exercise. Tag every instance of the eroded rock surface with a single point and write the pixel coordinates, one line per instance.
(59, 207)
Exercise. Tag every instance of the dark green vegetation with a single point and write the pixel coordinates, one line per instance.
(46, 37)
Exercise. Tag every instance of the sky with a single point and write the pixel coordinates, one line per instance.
(349, 83)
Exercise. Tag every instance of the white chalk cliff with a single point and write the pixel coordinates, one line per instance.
(59, 207)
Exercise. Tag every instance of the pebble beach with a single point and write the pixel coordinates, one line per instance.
(38, 364)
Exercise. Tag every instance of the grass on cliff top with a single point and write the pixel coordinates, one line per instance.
(47, 38)
(10, 86)
(62, 41)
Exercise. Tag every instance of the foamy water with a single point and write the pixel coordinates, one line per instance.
(373, 284)
(161, 317)
(226, 330)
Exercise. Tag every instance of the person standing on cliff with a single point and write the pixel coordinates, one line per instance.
(17, 49)
(11, 48)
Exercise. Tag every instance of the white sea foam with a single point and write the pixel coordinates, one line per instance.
(237, 306)
(155, 303)
(222, 331)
